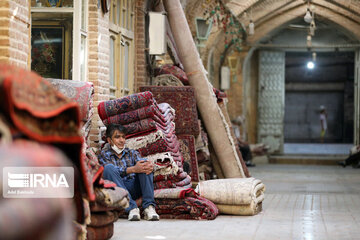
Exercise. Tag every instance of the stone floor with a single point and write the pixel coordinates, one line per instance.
(302, 202)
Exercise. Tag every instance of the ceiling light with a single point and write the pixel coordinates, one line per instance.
(310, 65)
(308, 17)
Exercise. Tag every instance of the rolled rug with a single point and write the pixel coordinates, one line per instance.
(125, 104)
(178, 192)
(236, 196)
(104, 232)
(161, 145)
(117, 197)
(180, 180)
(135, 115)
(173, 70)
(212, 116)
(139, 141)
(146, 125)
(99, 219)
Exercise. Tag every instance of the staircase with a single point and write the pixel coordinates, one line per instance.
(312, 154)
(307, 159)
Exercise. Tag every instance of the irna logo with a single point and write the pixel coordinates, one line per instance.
(20, 180)
(38, 182)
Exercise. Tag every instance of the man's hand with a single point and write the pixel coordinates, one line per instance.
(144, 167)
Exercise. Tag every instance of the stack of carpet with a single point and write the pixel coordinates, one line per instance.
(182, 99)
(196, 162)
(174, 78)
(98, 221)
(37, 113)
(104, 211)
(151, 131)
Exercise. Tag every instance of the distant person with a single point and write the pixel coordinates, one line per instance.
(244, 147)
(323, 122)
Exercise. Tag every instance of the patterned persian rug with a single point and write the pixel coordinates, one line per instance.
(198, 208)
(173, 70)
(41, 113)
(135, 115)
(181, 203)
(182, 99)
(36, 108)
(125, 104)
(77, 91)
(187, 149)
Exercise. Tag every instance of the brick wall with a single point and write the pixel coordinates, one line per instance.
(14, 32)
(99, 58)
(98, 63)
(141, 77)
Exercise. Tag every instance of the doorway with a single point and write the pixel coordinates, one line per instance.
(326, 79)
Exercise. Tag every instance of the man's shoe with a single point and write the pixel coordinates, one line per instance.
(134, 215)
(150, 214)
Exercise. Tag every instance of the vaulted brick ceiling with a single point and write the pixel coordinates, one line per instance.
(269, 15)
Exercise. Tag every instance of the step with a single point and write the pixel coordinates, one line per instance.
(307, 159)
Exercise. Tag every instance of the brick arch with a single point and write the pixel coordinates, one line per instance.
(281, 12)
(276, 16)
(328, 12)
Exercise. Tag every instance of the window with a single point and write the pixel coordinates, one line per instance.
(112, 66)
(59, 35)
(121, 47)
(83, 41)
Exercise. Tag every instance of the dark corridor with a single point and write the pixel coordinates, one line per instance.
(331, 84)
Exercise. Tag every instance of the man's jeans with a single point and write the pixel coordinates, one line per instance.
(141, 185)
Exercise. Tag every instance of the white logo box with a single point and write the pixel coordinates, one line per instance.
(38, 182)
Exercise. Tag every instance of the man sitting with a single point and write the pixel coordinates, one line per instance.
(247, 150)
(128, 170)
(353, 159)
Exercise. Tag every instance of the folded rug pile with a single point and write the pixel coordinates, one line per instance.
(151, 131)
(236, 196)
(181, 203)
